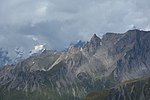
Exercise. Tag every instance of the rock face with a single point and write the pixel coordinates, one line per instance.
(136, 55)
(97, 64)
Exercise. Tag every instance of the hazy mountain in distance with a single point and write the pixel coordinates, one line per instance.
(4, 58)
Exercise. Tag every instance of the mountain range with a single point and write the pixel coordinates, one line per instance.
(114, 67)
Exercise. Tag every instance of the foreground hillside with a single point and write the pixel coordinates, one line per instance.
(98, 64)
(138, 89)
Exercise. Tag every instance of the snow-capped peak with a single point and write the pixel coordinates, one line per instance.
(37, 49)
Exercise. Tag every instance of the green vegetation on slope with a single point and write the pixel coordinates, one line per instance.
(131, 90)
(98, 95)
(36, 95)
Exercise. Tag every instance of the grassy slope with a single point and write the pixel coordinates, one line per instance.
(36, 95)
(138, 89)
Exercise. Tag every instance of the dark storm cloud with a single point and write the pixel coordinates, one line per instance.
(58, 22)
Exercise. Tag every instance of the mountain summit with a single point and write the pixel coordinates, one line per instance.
(92, 45)
(95, 41)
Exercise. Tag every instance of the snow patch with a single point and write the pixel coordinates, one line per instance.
(38, 49)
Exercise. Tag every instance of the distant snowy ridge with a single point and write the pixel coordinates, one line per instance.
(38, 49)
(4, 58)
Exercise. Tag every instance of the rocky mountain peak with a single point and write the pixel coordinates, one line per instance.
(94, 36)
(95, 42)
(95, 39)
(92, 46)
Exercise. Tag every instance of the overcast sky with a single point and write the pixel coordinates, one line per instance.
(59, 22)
